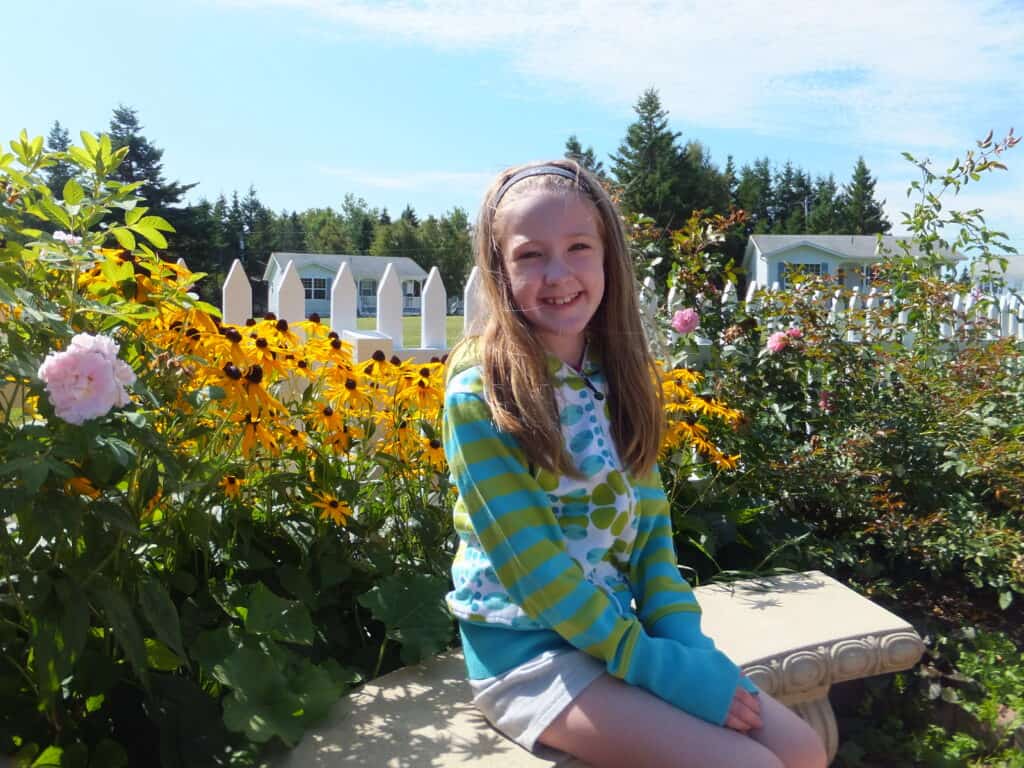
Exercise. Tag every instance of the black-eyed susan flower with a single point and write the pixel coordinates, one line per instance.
(325, 417)
(422, 387)
(231, 485)
(294, 438)
(352, 395)
(333, 508)
(255, 432)
(433, 452)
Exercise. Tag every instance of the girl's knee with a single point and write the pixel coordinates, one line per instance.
(804, 750)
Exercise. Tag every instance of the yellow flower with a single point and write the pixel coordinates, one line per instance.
(256, 433)
(423, 386)
(295, 438)
(353, 395)
(333, 508)
(232, 485)
(82, 486)
(433, 452)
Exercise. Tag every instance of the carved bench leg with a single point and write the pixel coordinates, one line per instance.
(817, 712)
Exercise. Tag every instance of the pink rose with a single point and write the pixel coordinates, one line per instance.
(826, 401)
(794, 333)
(685, 321)
(86, 380)
(777, 342)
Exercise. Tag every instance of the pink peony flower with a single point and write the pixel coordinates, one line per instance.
(87, 379)
(777, 342)
(826, 401)
(794, 333)
(685, 320)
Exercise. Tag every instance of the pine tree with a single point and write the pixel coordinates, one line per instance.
(585, 157)
(754, 194)
(825, 218)
(325, 231)
(409, 216)
(650, 166)
(144, 163)
(861, 213)
(58, 174)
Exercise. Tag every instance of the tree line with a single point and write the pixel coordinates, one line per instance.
(652, 173)
(658, 176)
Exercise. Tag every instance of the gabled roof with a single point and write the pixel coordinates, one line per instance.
(361, 266)
(859, 247)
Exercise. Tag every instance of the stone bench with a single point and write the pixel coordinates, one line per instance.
(795, 635)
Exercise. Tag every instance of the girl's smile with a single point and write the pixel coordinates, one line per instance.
(553, 253)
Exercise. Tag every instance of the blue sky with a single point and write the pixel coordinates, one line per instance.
(422, 101)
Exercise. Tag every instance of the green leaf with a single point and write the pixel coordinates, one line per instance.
(73, 192)
(55, 212)
(156, 222)
(118, 613)
(51, 756)
(124, 238)
(160, 657)
(413, 610)
(133, 215)
(161, 614)
(285, 620)
(1005, 599)
(151, 234)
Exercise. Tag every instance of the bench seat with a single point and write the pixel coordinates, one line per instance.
(794, 635)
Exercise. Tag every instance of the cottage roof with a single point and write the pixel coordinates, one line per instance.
(361, 266)
(860, 247)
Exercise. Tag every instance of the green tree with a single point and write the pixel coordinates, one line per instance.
(650, 165)
(291, 235)
(409, 216)
(447, 245)
(862, 213)
(755, 195)
(826, 214)
(359, 221)
(399, 238)
(61, 172)
(144, 162)
(585, 157)
(325, 231)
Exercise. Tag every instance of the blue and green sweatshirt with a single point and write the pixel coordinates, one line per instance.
(550, 562)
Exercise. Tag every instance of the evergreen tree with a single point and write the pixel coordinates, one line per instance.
(399, 238)
(825, 218)
(861, 213)
(754, 194)
(704, 187)
(409, 216)
(144, 163)
(585, 157)
(58, 174)
(385, 218)
(291, 237)
(359, 222)
(650, 166)
(731, 180)
(447, 245)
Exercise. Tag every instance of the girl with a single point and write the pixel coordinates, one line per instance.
(579, 633)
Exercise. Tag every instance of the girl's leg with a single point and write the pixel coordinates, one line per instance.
(613, 724)
(788, 736)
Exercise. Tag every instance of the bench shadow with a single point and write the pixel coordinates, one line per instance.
(418, 717)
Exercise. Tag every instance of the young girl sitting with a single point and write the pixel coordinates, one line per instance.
(578, 631)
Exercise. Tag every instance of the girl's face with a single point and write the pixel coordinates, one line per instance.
(553, 254)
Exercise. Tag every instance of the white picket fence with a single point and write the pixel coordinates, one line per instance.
(859, 317)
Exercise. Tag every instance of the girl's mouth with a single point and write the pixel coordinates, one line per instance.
(559, 301)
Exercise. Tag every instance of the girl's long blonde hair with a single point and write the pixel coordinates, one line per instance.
(515, 373)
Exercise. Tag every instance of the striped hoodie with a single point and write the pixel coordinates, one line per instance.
(548, 562)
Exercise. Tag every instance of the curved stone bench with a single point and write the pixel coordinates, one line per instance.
(795, 635)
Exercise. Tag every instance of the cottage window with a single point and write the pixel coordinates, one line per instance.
(368, 288)
(316, 287)
(808, 269)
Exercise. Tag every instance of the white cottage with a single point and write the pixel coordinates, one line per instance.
(318, 270)
(847, 257)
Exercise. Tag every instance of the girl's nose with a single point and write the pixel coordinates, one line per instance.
(556, 270)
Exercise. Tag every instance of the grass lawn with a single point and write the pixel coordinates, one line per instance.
(411, 328)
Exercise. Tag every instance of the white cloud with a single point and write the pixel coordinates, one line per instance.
(916, 73)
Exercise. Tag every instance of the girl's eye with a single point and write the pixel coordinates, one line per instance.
(579, 246)
(527, 255)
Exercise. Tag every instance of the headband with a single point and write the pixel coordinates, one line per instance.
(539, 170)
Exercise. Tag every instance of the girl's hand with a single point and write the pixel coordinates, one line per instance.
(744, 712)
